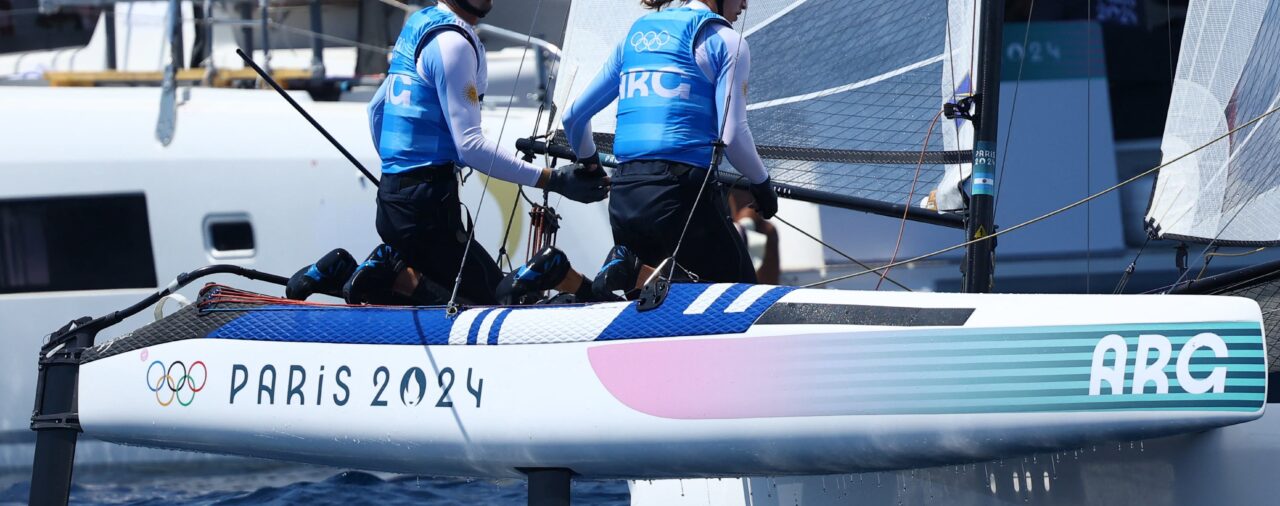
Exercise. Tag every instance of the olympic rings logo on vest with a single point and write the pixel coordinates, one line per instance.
(649, 41)
(176, 381)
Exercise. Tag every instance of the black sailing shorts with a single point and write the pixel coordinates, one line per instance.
(420, 216)
(649, 202)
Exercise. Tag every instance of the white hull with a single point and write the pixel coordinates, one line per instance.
(241, 153)
(564, 387)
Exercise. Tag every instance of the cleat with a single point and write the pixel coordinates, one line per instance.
(546, 270)
(325, 276)
(619, 273)
(371, 281)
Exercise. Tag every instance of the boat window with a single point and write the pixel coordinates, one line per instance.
(24, 28)
(229, 236)
(75, 243)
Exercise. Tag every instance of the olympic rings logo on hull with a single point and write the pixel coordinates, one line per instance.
(649, 41)
(176, 381)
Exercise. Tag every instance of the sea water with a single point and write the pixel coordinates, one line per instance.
(265, 482)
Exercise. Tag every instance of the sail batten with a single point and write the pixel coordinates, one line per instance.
(847, 87)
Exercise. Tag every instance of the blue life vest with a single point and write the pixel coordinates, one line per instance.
(666, 106)
(409, 125)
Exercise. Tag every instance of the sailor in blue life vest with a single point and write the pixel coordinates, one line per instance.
(425, 121)
(671, 75)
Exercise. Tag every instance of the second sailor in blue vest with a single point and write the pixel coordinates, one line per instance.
(425, 121)
(671, 76)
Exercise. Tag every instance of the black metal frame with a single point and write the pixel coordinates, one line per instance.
(979, 261)
(888, 209)
(55, 417)
(1213, 285)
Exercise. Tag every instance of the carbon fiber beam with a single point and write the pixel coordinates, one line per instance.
(888, 209)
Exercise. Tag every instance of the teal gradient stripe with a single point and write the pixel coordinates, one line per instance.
(960, 335)
(1247, 341)
(1080, 381)
(1072, 401)
(1234, 364)
(1054, 395)
(934, 409)
(1244, 349)
(898, 374)
(1046, 359)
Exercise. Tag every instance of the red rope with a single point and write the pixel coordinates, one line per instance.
(902, 227)
(213, 294)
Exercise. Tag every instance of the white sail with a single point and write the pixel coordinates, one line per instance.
(1228, 74)
(842, 91)
(958, 72)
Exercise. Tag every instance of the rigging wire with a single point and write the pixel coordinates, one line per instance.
(718, 150)
(738, 183)
(1128, 271)
(515, 201)
(951, 59)
(546, 84)
(1013, 109)
(973, 46)
(1088, 144)
(837, 251)
(902, 226)
(1168, 13)
(511, 220)
(282, 26)
(511, 100)
(1204, 253)
(326, 37)
(1055, 212)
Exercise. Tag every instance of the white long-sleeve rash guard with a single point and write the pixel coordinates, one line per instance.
(724, 57)
(450, 64)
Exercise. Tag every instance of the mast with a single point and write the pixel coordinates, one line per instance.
(979, 258)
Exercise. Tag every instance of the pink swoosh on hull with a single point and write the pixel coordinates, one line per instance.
(693, 379)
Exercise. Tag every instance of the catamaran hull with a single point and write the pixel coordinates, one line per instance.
(781, 396)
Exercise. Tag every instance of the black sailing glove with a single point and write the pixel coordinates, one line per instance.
(766, 198)
(590, 167)
(584, 188)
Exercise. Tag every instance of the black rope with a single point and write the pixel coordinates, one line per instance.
(1063, 209)
(837, 251)
(1128, 271)
(716, 153)
(1013, 108)
(515, 202)
(1088, 146)
(453, 308)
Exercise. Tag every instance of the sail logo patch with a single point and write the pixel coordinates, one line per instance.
(1111, 362)
(176, 381)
